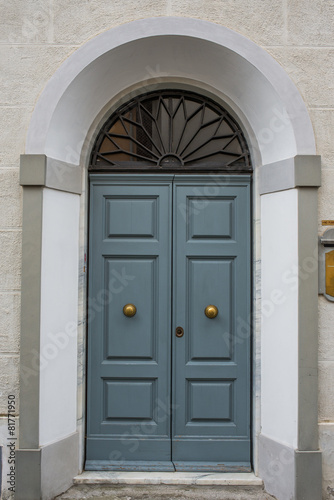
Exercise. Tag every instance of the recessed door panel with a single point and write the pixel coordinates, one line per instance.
(138, 220)
(169, 383)
(209, 402)
(210, 218)
(129, 400)
(132, 337)
(209, 281)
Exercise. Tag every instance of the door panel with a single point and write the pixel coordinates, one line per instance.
(213, 278)
(139, 342)
(211, 361)
(129, 357)
(137, 387)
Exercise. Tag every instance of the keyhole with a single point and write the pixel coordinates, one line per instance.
(179, 331)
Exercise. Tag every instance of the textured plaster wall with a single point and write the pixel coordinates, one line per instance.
(36, 36)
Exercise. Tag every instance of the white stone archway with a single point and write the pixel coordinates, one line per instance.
(211, 59)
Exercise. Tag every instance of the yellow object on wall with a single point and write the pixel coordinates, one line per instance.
(330, 273)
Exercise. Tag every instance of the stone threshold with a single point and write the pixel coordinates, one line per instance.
(176, 478)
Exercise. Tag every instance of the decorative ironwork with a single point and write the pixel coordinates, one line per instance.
(171, 131)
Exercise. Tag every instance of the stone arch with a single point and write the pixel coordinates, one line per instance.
(131, 55)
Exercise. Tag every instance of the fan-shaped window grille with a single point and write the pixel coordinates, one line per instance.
(171, 131)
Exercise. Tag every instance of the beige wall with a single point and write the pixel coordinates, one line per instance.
(36, 36)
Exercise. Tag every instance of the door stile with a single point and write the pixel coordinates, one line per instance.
(128, 422)
(211, 365)
(172, 331)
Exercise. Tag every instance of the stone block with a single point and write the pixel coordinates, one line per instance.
(9, 322)
(10, 198)
(310, 22)
(26, 70)
(6, 494)
(312, 72)
(26, 22)
(326, 443)
(14, 126)
(10, 251)
(326, 391)
(323, 125)
(79, 20)
(326, 199)
(9, 381)
(261, 21)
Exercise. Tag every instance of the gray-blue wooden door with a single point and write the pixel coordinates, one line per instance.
(171, 245)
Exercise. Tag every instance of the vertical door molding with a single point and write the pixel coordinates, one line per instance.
(130, 262)
(289, 373)
(48, 438)
(212, 265)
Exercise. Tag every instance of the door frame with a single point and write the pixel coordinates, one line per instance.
(198, 181)
(287, 176)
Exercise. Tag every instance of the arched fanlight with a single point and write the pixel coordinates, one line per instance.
(170, 131)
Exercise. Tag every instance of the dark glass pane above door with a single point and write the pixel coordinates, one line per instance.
(171, 131)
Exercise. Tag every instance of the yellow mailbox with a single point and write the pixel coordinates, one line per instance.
(329, 270)
(326, 264)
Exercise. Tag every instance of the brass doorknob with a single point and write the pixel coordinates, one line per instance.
(129, 310)
(211, 311)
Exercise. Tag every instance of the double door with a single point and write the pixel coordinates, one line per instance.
(169, 323)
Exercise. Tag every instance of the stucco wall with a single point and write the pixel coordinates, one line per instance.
(38, 35)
